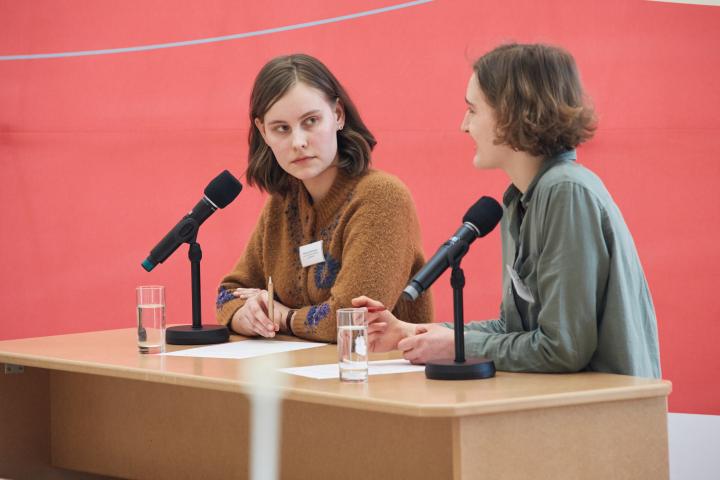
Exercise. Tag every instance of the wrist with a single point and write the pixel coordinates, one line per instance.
(286, 324)
(408, 329)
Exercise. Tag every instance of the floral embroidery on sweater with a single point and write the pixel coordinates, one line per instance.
(326, 272)
(223, 297)
(315, 315)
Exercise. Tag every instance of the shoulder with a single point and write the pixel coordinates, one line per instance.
(383, 187)
(573, 179)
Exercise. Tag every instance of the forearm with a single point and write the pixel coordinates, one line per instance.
(486, 326)
(530, 351)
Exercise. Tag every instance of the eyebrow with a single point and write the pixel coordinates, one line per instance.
(469, 102)
(303, 116)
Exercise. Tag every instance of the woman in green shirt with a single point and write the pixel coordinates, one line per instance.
(574, 293)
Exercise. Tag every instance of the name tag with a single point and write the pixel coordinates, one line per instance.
(522, 290)
(311, 254)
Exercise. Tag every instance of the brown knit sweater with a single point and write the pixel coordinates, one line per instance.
(371, 243)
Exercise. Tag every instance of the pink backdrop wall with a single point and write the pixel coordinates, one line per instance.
(101, 154)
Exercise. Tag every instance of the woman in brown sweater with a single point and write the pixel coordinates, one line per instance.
(332, 228)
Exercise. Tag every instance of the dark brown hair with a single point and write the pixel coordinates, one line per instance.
(355, 142)
(539, 103)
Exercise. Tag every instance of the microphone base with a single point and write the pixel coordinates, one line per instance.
(470, 369)
(204, 335)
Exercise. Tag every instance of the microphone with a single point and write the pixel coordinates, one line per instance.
(222, 190)
(479, 220)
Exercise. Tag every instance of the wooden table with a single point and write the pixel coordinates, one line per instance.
(89, 402)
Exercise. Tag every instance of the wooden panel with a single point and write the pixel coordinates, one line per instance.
(133, 429)
(25, 423)
(322, 442)
(138, 429)
(614, 440)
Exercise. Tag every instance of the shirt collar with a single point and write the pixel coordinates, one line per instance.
(513, 192)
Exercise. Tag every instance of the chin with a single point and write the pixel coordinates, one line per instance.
(305, 173)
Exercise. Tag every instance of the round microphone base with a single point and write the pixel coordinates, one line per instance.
(470, 369)
(204, 335)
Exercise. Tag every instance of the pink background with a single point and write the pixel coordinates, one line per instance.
(100, 155)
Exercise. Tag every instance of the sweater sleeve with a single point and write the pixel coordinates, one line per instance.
(248, 273)
(571, 276)
(379, 244)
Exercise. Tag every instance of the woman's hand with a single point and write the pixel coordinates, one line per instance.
(384, 329)
(252, 318)
(431, 342)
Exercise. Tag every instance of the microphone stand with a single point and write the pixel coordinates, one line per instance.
(459, 368)
(197, 333)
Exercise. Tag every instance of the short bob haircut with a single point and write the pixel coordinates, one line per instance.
(539, 103)
(355, 142)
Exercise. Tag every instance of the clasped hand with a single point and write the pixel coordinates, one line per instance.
(419, 343)
(252, 318)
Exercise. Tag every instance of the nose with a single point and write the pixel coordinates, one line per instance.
(463, 125)
(299, 139)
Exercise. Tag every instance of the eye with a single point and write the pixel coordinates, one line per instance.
(281, 129)
(310, 121)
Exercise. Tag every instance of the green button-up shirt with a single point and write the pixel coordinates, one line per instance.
(579, 299)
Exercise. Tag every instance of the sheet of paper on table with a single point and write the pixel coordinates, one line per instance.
(379, 367)
(244, 349)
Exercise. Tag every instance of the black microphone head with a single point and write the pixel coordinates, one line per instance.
(223, 189)
(484, 215)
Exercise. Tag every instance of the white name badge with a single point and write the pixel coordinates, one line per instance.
(311, 254)
(522, 290)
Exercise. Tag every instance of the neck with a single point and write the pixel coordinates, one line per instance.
(319, 186)
(521, 168)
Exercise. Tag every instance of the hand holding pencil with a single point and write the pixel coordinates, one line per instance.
(271, 303)
(261, 314)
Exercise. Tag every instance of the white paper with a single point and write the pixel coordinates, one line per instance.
(244, 349)
(311, 254)
(331, 370)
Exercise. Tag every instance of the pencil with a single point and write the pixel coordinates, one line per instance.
(271, 297)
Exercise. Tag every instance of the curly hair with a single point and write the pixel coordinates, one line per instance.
(539, 103)
(355, 142)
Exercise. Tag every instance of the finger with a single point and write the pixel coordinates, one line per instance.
(264, 297)
(259, 314)
(415, 359)
(410, 356)
(407, 344)
(245, 291)
(364, 301)
(260, 328)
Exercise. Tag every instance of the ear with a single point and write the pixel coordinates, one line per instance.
(261, 128)
(339, 114)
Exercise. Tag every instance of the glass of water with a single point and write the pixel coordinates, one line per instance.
(352, 344)
(151, 318)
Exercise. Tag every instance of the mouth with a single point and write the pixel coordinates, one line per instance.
(300, 160)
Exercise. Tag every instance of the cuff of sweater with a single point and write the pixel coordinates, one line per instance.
(315, 323)
(227, 310)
